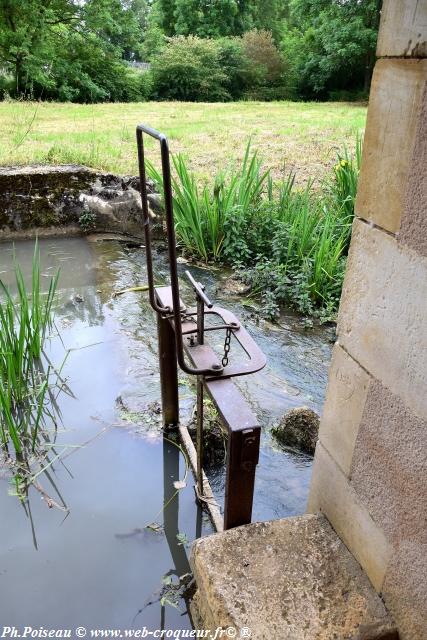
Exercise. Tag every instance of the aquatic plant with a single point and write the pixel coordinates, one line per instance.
(25, 320)
(343, 185)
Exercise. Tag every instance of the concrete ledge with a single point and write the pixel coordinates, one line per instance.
(290, 579)
(38, 197)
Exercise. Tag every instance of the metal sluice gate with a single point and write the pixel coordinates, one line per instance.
(182, 340)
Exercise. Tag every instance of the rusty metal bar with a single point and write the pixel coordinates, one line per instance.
(199, 290)
(242, 454)
(170, 227)
(146, 220)
(213, 376)
(201, 355)
(199, 435)
(242, 450)
(168, 373)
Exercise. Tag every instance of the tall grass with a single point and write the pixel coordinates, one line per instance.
(25, 320)
(343, 185)
(201, 212)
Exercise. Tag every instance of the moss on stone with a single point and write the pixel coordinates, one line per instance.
(298, 429)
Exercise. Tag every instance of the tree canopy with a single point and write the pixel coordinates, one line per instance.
(89, 50)
(333, 44)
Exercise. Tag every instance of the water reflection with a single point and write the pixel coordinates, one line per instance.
(102, 566)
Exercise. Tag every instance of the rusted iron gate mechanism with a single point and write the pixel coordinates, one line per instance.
(182, 336)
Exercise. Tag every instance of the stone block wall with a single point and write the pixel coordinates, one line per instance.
(370, 468)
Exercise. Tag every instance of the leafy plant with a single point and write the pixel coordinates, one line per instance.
(87, 220)
(289, 244)
(343, 186)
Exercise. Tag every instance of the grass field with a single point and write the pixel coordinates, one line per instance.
(304, 136)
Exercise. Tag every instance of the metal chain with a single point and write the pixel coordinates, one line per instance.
(227, 346)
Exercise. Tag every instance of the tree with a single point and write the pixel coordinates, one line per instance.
(165, 10)
(265, 15)
(216, 18)
(29, 32)
(332, 44)
(70, 49)
(262, 53)
(206, 18)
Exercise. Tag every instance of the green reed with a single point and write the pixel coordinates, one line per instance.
(25, 320)
(201, 212)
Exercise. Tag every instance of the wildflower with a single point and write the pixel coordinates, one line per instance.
(344, 163)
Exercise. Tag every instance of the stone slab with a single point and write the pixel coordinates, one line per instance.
(403, 29)
(332, 494)
(345, 399)
(413, 228)
(290, 579)
(394, 111)
(405, 591)
(389, 467)
(381, 321)
(389, 473)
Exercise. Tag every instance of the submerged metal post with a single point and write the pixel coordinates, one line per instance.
(242, 454)
(199, 436)
(168, 373)
(200, 408)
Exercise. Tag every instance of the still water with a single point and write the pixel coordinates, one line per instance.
(98, 565)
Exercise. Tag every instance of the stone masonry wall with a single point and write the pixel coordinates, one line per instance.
(370, 468)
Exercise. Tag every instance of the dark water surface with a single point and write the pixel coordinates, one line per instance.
(100, 566)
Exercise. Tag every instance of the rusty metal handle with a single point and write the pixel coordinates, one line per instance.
(199, 290)
(145, 213)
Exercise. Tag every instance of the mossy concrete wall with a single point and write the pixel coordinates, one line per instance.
(370, 468)
(48, 200)
(42, 196)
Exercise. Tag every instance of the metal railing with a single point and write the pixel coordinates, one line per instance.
(182, 337)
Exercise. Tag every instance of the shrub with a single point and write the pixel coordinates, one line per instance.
(233, 63)
(264, 67)
(189, 68)
(263, 54)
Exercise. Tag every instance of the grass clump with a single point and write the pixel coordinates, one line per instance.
(289, 244)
